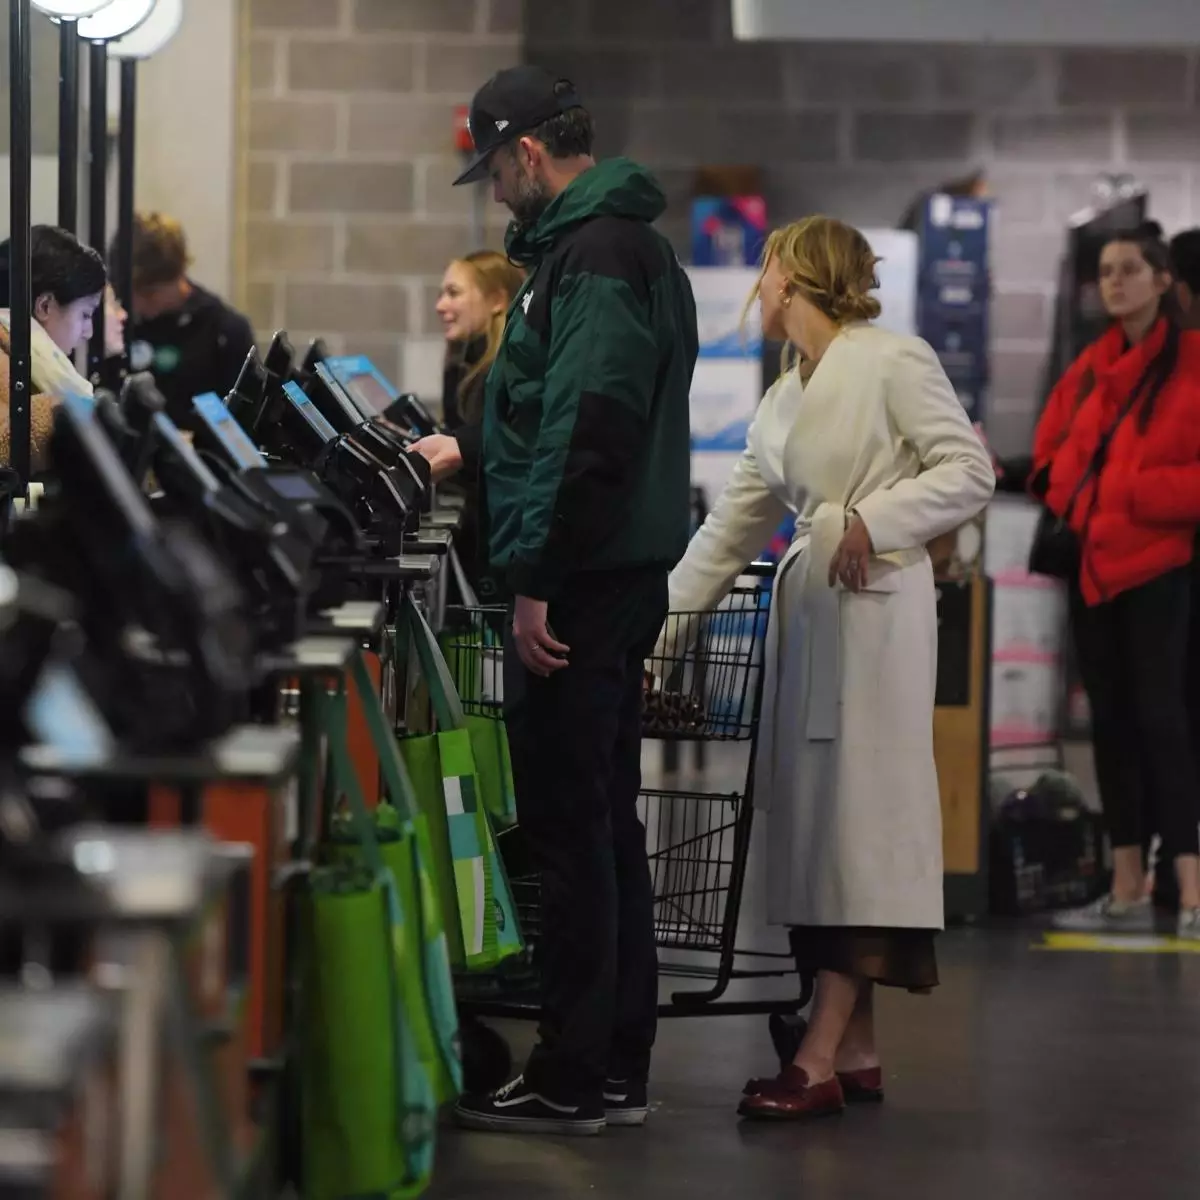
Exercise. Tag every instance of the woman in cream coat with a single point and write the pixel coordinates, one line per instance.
(876, 457)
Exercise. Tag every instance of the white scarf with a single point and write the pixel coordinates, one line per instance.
(51, 372)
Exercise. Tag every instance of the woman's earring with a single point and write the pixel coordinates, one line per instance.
(785, 298)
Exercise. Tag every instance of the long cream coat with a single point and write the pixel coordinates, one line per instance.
(845, 764)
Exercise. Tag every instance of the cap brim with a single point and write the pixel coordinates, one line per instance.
(476, 171)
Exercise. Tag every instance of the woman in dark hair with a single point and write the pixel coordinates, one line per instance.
(67, 286)
(1116, 455)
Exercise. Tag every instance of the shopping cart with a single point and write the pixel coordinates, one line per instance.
(709, 690)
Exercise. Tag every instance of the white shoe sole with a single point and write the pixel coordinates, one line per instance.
(480, 1123)
(1138, 923)
(626, 1118)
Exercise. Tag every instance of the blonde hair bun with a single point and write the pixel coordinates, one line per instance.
(854, 306)
(829, 263)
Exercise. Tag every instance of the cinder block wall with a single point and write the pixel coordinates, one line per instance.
(857, 130)
(350, 145)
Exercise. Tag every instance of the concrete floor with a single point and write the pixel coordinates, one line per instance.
(1027, 1075)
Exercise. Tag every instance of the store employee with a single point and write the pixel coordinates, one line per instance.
(190, 340)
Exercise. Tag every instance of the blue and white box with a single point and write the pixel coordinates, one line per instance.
(954, 238)
(722, 295)
(724, 399)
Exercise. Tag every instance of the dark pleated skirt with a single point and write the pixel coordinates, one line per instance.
(899, 958)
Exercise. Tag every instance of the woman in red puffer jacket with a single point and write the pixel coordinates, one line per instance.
(1117, 455)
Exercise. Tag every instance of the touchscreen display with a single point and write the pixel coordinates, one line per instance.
(309, 411)
(325, 375)
(61, 714)
(185, 451)
(293, 487)
(368, 390)
(210, 408)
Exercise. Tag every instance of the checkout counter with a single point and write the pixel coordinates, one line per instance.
(175, 616)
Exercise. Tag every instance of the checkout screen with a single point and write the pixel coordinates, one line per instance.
(339, 394)
(184, 451)
(309, 411)
(368, 391)
(293, 487)
(212, 411)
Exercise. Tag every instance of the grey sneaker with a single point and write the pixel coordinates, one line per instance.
(1189, 925)
(1108, 915)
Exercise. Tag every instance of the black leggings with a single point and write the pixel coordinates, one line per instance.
(1133, 656)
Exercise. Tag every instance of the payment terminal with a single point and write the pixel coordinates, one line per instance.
(297, 493)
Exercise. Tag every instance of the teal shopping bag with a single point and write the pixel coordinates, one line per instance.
(469, 871)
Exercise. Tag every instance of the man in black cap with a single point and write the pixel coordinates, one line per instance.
(584, 463)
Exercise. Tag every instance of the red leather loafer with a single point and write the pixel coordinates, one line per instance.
(862, 1087)
(792, 1098)
(858, 1087)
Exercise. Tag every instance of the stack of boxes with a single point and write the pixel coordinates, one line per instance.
(727, 239)
(954, 286)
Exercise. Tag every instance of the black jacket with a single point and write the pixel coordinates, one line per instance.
(196, 349)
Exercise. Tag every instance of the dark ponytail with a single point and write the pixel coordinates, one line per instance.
(1148, 238)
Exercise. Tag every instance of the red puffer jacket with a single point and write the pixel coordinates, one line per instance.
(1139, 521)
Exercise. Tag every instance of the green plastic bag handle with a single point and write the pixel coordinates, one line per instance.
(447, 707)
(411, 1125)
(400, 792)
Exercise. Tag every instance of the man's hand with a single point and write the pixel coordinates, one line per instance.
(849, 563)
(538, 650)
(442, 454)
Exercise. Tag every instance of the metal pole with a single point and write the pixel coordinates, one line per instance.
(68, 126)
(122, 269)
(20, 182)
(97, 182)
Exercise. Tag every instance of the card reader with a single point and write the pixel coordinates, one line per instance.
(306, 503)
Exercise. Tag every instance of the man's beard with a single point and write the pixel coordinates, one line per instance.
(532, 199)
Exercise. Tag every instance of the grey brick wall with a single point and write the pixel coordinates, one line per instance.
(348, 139)
(349, 155)
(858, 130)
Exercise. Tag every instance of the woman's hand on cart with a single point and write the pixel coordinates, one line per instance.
(537, 647)
(849, 562)
(442, 453)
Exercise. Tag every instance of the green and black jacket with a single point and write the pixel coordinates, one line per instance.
(586, 439)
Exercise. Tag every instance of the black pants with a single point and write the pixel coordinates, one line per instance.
(576, 754)
(1133, 654)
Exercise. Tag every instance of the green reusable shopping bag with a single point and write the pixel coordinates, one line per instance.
(469, 873)
(473, 659)
(409, 856)
(493, 766)
(367, 1046)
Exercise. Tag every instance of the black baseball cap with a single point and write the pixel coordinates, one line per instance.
(510, 104)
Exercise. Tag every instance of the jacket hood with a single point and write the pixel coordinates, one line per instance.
(615, 187)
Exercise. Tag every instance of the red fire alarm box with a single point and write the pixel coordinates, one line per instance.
(462, 129)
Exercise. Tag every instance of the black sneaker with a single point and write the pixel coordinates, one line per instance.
(517, 1108)
(625, 1103)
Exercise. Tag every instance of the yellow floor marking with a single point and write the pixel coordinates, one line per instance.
(1110, 944)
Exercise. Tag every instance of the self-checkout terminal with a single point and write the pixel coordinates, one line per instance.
(294, 492)
(375, 396)
(97, 536)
